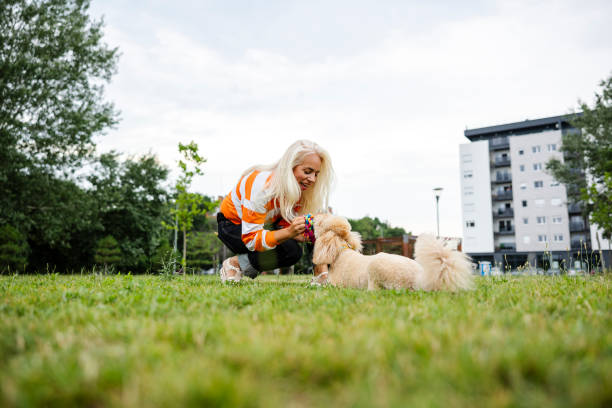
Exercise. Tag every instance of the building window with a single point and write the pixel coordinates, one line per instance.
(470, 224)
(554, 183)
(541, 220)
(538, 184)
(541, 238)
(539, 202)
(524, 203)
(537, 166)
(526, 240)
(557, 219)
(555, 202)
(552, 147)
(536, 149)
(468, 191)
(503, 176)
(522, 167)
(466, 158)
(467, 174)
(525, 220)
(523, 186)
(558, 238)
(521, 152)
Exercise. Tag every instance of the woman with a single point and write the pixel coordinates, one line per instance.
(279, 194)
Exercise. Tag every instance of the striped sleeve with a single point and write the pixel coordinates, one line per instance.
(254, 211)
(231, 206)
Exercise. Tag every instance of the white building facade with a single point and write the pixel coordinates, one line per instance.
(514, 212)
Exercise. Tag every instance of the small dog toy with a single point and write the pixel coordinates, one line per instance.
(309, 231)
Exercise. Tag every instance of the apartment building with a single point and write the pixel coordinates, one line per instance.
(514, 212)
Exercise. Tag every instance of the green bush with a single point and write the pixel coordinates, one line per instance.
(203, 250)
(14, 249)
(164, 258)
(108, 252)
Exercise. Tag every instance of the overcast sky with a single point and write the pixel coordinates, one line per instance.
(387, 87)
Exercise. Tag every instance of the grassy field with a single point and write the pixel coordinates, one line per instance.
(276, 342)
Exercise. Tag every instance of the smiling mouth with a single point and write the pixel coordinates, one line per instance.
(304, 186)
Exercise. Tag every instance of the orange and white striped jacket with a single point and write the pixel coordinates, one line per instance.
(247, 205)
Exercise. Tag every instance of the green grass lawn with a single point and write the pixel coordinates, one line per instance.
(276, 342)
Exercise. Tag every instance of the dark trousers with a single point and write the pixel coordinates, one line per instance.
(283, 255)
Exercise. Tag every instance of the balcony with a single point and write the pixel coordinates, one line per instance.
(502, 196)
(574, 208)
(505, 231)
(502, 178)
(579, 245)
(505, 248)
(501, 162)
(499, 143)
(577, 227)
(503, 213)
(572, 191)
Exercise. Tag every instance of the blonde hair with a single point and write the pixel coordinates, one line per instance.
(284, 187)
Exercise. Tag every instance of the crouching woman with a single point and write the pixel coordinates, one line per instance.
(279, 195)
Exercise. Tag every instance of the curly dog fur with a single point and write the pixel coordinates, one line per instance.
(435, 266)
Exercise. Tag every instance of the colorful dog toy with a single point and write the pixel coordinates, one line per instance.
(309, 231)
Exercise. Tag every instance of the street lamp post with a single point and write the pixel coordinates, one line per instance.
(437, 192)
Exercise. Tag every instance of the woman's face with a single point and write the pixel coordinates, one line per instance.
(307, 172)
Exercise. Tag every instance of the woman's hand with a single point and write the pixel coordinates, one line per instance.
(295, 230)
(297, 227)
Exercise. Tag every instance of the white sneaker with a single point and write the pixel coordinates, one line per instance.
(227, 266)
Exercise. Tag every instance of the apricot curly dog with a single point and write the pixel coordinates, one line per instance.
(435, 266)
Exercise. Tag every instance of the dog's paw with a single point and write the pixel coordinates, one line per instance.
(318, 281)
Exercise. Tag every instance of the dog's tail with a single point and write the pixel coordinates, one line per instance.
(445, 269)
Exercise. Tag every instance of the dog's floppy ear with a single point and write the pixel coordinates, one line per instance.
(343, 228)
(320, 224)
(354, 240)
(326, 248)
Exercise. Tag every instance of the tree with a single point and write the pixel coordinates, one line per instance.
(53, 67)
(372, 228)
(108, 252)
(188, 205)
(61, 223)
(13, 249)
(131, 202)
(586, 168)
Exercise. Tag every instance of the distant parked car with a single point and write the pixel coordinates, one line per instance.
(210, 271)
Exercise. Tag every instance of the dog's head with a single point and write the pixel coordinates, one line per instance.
(333, 234)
